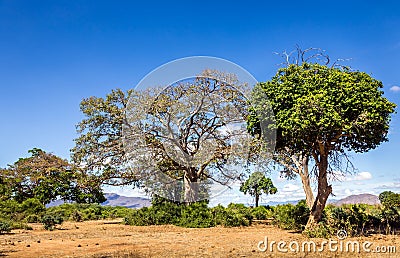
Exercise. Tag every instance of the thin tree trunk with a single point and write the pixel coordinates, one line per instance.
(257, 198)
(324, 190)
(305, 179)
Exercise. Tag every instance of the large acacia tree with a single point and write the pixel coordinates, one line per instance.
(180, 137)
(322, 112)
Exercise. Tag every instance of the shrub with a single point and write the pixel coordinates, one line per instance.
(20, 225)
(76, 216)
(140, 217)
(282, 216)
(234, 215)
(321, 231)
(32, 218)
(51, 220)
(262, 212)
(290, 216)
(32, 206)
(5, 227)
(300, 214)
(196, 215)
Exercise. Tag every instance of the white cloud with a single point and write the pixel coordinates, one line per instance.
(339, 176)
(395, 88)
(290, 188)
(393, 186)
(361, 176)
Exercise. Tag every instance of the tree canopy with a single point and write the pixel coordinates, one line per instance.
(178, 138)
(390, 199)
(323, 112)
(46, 177)
(256, 185)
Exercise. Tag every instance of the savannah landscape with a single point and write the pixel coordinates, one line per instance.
(107, 239)
(299, 159)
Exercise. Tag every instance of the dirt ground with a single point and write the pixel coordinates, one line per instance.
(107, 239)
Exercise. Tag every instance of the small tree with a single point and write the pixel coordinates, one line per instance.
(389, 199)
(46, 177)
(256, 184)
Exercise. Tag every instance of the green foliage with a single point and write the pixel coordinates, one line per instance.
(323, 112)
(262, 212)
(100, 137)
(32, 206)
(356, 219)
(389, 199)
(320, 231)
(313, 102)
(51, 220)
(20, 225)
(257, 184)
(46, 178)
(195, 215)
(5, 227)
(234, 215)
(32, 218)
(83, 211)
(12, 210)
(290, 216)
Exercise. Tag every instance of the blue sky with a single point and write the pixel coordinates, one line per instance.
(54, 53)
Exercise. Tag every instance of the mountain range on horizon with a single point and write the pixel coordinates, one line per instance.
(114, 199)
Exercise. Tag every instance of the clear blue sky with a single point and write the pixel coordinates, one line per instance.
(54, 53)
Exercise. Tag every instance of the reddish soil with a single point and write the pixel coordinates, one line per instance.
(108, 239)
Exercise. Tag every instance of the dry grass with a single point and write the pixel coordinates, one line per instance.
(97, 239)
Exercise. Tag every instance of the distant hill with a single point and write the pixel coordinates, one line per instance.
(352, 199)
(358, 198)
(114, 199)
(272, 203)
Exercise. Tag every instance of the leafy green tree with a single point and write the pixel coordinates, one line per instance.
(256, 185)
(5, 189)
(323, 112)
(46, 177)
(390, 199)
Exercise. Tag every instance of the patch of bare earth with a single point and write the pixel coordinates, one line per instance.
(107, 239)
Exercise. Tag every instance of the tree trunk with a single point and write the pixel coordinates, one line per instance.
(324, 190)
(257, 198)
(191, 190)
(305, 179)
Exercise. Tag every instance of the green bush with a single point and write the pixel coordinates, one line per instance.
(237, 215)
(321, 231)
(51, 220)
(76, 216)
(32, 206)
(289, 216)
(234, 215)
(262, 212)
(282, 216)
(196, 215)
(20, 225)
(5, 227)
(32, 218)
(140, 217)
